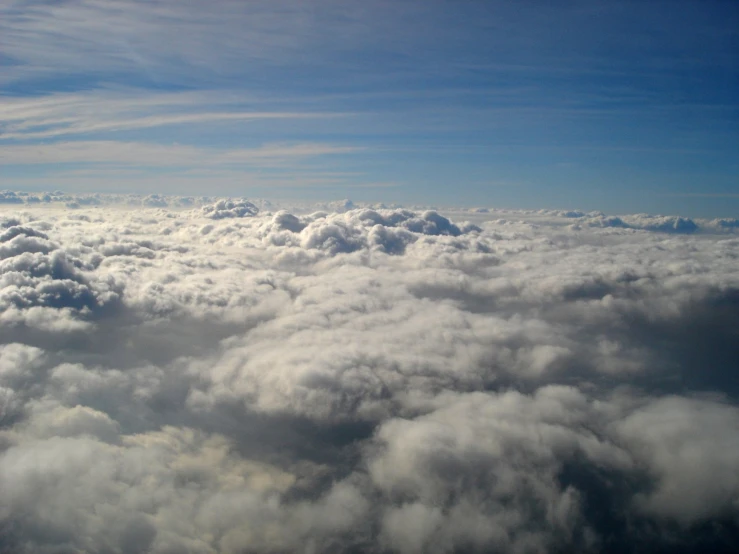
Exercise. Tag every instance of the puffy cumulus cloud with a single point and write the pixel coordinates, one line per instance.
(724, 223)
(42, 286)
(171, 490)
(665, 224)
(645, 222)
(485, 472)
(76, 200)
(176, 378)
(229, 208)
(674, 437)
(10, 197)
(512, 472)
(389, 231)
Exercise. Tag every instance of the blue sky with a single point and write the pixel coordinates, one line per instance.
(621, 106)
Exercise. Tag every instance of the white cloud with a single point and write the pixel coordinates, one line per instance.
(147, 154)
(101, 111)
(675, 438)
(228, 208)
(164, 43)
(362, 379)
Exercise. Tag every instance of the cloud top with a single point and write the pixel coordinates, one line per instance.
(225, 375)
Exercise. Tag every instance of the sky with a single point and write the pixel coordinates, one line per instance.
(617, 106)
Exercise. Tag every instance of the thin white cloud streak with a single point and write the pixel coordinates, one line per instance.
(165, 41)
(72, 127)
(109, 111)
(150, 154)
(117, 100)
(265, 178)
(99, 112)
(702, 194)
(118, 36)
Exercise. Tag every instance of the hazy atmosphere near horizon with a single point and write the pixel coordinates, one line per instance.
(385, 277)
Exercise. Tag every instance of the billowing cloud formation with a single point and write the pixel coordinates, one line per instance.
(387, 230)
(229, 208)
(667, 224)
(225, 379)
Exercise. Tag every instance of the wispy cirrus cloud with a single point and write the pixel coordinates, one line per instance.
(160, 42)
(619, 91)
(158, 39)
(151, 154)
(101, 112)
(703, 194)
(273, 181)
(109, 138)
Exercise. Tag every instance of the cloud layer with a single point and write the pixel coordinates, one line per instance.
(202, 375)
